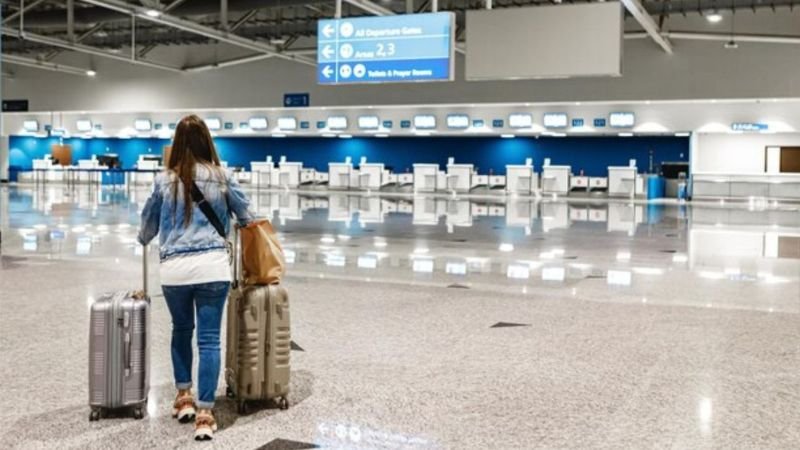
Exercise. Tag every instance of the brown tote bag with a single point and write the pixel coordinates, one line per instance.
(262, 256)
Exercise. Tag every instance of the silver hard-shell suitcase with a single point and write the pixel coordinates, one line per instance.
(119, 359)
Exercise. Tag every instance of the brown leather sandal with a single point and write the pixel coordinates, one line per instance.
(183, 408)
(204, 426)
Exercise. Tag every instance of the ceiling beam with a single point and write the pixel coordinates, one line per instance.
(192, 27)
(721, 37)
(53, 42)
(646, 21)
(25, 9)
(44, 65)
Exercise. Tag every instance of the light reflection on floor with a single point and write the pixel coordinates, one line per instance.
(731, 256)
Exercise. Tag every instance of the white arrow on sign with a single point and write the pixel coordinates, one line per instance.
(327, 71)
(327, 52)
(328, 30)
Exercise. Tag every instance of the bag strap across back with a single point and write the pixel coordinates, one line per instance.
(207, 210)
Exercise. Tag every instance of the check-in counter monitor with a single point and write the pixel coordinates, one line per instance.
(339, 174)
(425, 177)
(622, 181)
(555, 179)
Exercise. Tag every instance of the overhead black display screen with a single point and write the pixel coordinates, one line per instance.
(15, 105)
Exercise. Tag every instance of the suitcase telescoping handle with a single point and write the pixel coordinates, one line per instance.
(235, 250)
(145, 248)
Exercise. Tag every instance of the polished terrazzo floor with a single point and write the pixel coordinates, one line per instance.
(441, 322)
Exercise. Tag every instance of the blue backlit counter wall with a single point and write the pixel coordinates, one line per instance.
(593, 155)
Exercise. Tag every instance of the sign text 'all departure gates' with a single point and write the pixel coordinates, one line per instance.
(389, 49)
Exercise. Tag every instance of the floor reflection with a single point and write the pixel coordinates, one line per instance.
(732, 255)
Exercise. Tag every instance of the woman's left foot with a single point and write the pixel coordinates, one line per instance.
(204, 425)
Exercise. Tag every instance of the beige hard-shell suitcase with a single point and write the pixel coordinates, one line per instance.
(257, 359)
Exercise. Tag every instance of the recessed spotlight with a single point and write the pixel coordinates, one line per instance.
(91, 73)
(153, 13)
(731, 45)
(714, 18)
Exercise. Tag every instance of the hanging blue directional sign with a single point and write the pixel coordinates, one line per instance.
(402, 48)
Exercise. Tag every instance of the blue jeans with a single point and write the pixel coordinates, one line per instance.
(208, 299)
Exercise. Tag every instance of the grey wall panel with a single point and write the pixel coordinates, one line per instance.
(545, 42)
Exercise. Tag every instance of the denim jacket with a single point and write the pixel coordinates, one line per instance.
(162, 215)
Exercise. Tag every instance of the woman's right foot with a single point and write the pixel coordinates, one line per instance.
(204, 425)
(183, 408)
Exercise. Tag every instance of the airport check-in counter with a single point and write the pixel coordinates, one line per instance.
(459, 177)
(521, 179)
(555, 179)
(373, 176)
(623, 181)
(264, 172)
(426, 177)
(340, 174)
(785, 186)
(289, 174)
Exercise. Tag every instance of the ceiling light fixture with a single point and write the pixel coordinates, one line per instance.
(91, 73)
(153, 13)
(714, 18)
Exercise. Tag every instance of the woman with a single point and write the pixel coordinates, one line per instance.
(195, 271)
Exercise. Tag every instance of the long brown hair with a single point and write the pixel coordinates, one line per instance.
(191, 145)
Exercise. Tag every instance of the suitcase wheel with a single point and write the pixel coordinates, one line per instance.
(283, 403)
(138, 413)
(94, 415)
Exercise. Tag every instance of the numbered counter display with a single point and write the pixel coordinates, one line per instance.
(777, 186)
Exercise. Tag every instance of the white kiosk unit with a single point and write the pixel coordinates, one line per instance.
(263, 172)
(339, 174)
(622, 180)
(372, 176)
(289, 173)
(459, 176)
(426, 177)
(555, 179)
(521, 179)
